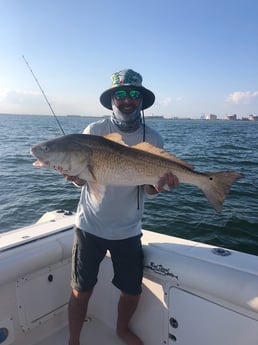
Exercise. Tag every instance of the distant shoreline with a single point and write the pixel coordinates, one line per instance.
(147, 117)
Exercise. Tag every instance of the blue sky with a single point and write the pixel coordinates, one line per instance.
(197, 56)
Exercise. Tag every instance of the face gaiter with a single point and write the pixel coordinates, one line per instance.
(126, 122)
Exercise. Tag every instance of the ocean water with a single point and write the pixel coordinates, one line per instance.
(28, 192)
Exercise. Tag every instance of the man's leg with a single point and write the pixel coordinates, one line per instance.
(126, 307)
(77, 310)
(88, 252)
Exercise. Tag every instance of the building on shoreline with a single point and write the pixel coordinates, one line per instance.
(211, 117)
(231, 117)
(252, 117)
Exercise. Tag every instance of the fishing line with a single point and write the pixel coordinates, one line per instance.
(44, 95)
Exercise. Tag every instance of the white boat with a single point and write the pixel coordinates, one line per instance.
(193, 293)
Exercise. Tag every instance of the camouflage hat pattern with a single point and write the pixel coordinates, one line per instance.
(127, 77)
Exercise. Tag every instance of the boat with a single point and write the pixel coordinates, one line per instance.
(193, 293)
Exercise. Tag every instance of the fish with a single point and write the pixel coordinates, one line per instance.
(107, 160)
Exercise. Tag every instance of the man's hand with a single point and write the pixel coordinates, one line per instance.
(165, 184)
(75, 179)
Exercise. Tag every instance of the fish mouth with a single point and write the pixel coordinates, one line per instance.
(39, 164)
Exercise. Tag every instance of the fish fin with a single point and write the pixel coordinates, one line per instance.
(147, 147)
(91, 171)
(218, 185)
(144, 146)
(115, 137)
(97, 191)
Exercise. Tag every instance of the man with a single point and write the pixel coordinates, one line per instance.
(114, 224)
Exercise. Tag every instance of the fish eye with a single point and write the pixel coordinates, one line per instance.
(46, 148)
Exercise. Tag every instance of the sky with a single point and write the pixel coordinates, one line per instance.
(199, 57)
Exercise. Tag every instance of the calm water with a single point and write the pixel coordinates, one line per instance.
(27, 192)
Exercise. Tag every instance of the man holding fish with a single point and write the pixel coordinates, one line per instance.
(118, 163)
(109, 217)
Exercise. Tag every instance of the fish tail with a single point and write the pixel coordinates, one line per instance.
(218, 185)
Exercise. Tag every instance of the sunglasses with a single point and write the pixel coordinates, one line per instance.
(121, 94)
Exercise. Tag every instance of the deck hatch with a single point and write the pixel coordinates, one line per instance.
(40, 298)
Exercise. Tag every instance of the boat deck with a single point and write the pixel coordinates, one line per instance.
(94, 332)
(193, 293)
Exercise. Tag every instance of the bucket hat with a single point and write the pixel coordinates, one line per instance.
(127, 77)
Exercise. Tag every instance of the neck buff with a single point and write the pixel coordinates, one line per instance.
(126, 122)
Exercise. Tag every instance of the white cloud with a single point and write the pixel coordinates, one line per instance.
(242, 97)
(21, 102)
(168, 101)
(3, 94)
(179, 99)
(32, 102)
(9, 96)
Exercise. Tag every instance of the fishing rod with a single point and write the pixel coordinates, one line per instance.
(44, 95)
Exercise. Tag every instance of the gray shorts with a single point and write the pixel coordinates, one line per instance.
(126, 255)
